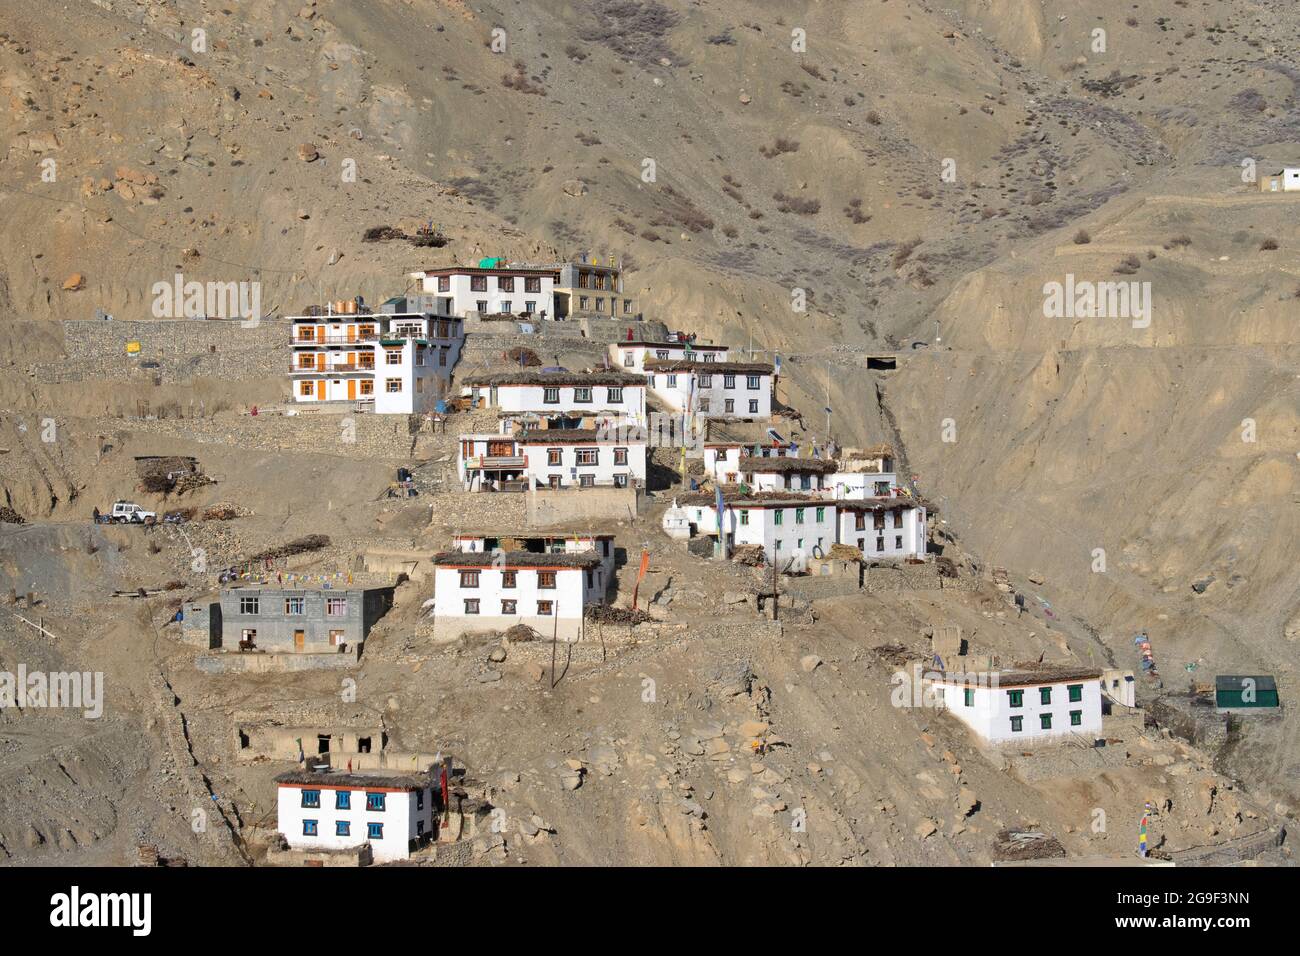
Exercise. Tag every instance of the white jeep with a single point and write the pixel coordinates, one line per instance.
(127, 512)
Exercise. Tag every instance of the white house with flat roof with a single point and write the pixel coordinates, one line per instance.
(476, 592)
(1024, 707)
(502, 289)
(785, 473)
(1286, 180)
(582, 458)
(399, 362)
(337, 810)
(560, 393)
(631, 356)
(540, 542)
(786, 526)
(718, 389)
(886, 528)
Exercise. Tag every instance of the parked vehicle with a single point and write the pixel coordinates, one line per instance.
(128, 512)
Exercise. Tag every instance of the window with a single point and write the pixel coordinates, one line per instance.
(506, 283)
(306, 388)
(898, 519)
(704, 404)
(367, 387)
(706, 380)
(478, 283)
(753, 406)
(471, 605)
(744, 516)
(308, 827)
(375, 801)
(533, 284)
(729, 406)
(444, 283)
(311, 799)
(859, 522)
(586, 481)
(1016, 724)
(392, 356)
(620, 456)
(969, 696)
(1045, 721)
(366, 360)
(821, 514)
(480, 305)
(1044, 695)
(778, 544)
(582, 302)
(1016, 698)
(600, 305)
(553, 456)
(248, 605)
(375, 831)
(419, 799)
(546, 579)
(442, 356)
(882, 489)
(614, 395)
(342, 799)
(751, 381)
(336, 606)
(508, 606)
(392, 385)
(295, 605)
(1076, 718)
(582, 394)
(629, 359)
(551, 396)
(880, 543)
(898, 541)
(469, 579)
(545, 608)
(620, 481)
(587, 456)
(1076, 692)
(342, 828)
(672, 381)
(505, 306)
(798, 515)
(508, 578)
(530, 306)
(728, 381)
(627, 306)
(778, 516)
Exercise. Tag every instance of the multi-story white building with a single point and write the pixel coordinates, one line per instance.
(890, 528)
(553, 458)
(562, 394)
(1024, 707)
(632, 355)
(865, 473)
(539, 542)
(399, 362)
(492, 591)
(728, 443)
(500, 289)
(712, 389)
(337, 810)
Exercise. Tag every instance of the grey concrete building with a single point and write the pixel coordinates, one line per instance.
(293, 620)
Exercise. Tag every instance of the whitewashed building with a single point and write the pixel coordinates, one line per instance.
(476, 592)
(1285, 180)
(739, 390)
(561, 394)
(394, 362)
(788, 527)
(541, 542)
(632, 355)
(1024, 707)
(784, 473)
(726, 444)
(337, 810)
(865, 473)
(582, 458)
(883, 528)
(527, 290)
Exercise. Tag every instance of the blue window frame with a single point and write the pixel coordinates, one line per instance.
(308, 827)
(342, 828)
(343, 800)
(311, 799)
(375, 801)
(375, 831)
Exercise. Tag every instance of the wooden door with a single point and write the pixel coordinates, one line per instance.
(352, 390)
(352, 333)
(320, 390)
(299, 639)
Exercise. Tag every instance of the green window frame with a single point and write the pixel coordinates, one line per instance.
(1017, 723)
(1076, 718)
(798, 515)
(778, 516)
(821, 514)
(969, 696)
(1044, 695)
(1016, 698)
(744, 517)
(1045, 721)
(1076, 692)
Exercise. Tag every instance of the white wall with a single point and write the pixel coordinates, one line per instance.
(761, 527)
(532, 398)
(674, 389)
(638, 352)
(399, 818)
(856, 485)
(536, 452)
(460, 298)
(904, 535)
(991, 712)
(569, 597)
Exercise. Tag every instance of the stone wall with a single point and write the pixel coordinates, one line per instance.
(567, 505)
(184, 349)
(361, 437)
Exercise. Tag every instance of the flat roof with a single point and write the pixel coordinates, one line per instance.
(756, 464)
(517, 559)
(1058, 674)
(495, 271)
(879, 504)
(534, 377)
(694, 346)
(533, 535)
(731, 495)
(361, 779)
(686, 365)
(572, 436)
